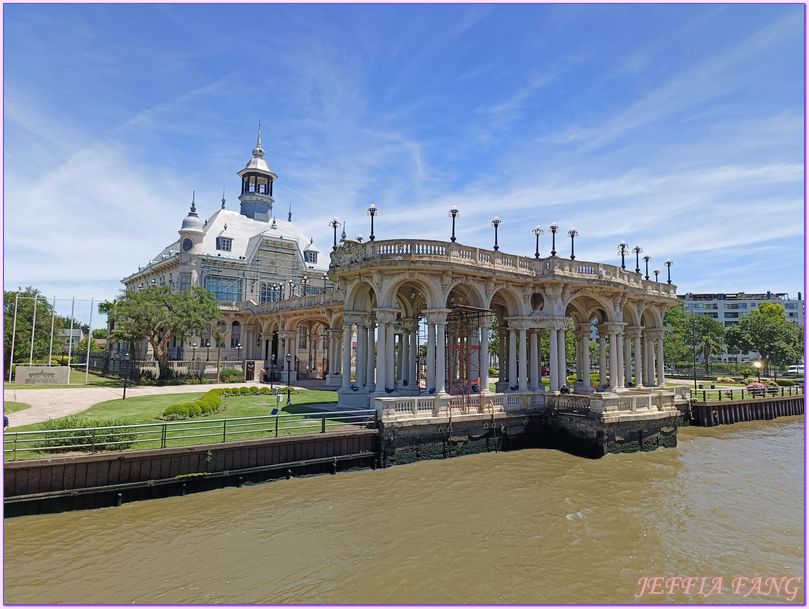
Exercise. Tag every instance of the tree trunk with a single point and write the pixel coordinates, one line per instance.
(218, 361)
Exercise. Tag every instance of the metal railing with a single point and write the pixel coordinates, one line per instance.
(717, 395)
(35, 444)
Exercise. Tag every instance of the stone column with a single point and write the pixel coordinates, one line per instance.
(561, 351)
(413, 375)
(370, 356)
(346, 355)
(627, 359)
(338, 350)
(661, 371)
(650, 349)
(484, 358)
(362, 355)
(404, 348)
(553, 364)
(602, 356)
(512, 358)
(523, 376)
(613, 360)
(503, 359)
(381, 369)
(638, 360)
(430, 355)
(619, 349)
(441, 359)
(390, 357)
(535, 363)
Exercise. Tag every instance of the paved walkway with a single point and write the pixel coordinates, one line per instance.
(54, 403)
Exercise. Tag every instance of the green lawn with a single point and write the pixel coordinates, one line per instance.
(145, 409)
(9, 407)
(76, 380)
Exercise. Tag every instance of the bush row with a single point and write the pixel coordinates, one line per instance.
(108, 439)
(209, 403)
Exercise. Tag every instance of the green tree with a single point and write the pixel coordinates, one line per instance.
(710, 335)
(161, 315)
(767, 331)
(24, 300)
(100, 333)
(677, 346)
(219, 337)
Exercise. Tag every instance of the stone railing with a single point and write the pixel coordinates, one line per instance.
(427, 406)
(294, 302)
(455, 253)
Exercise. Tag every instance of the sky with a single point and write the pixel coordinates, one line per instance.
(679, 128)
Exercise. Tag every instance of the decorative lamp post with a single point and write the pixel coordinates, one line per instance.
(325, 277)
(537, 231)
(554, 228)
(758, 370)
(453, 213)
(656, 272)
(289, 376)
(669, 264)
(646, 259)
(126, 374)
(372, 211)
(291, 286)
(496, 223)
(334, 224)
(304, 281)
(622, 251)
(572, 233)
(637, 250)
(238, 351)
(193, 351)
(208, 349)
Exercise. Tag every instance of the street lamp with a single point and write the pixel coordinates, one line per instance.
(622, 250)
(758, 370)
(304, 281)
(637, 250)
(239, 351)
(537, 231)
(572, 233)
(291, 286)
(669, 264)
(496, 223)
(325, 277)
(289, 376)
(372, 211)
(656, 272)
(334, 224)
(453, 213)
(193, 351)
(126, 374)
(554, 228)
(646, 259)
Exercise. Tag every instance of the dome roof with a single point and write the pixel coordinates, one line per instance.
(192, 221)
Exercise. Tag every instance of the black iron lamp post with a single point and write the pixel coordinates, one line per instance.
(126, 374)
(572, 233)
(646, 259)
(372, 211)
(334, 224)
(622, 251)
(656, 273)
(304, 281)
(453, 213)
(238, 352)
(554, 228)
(272, 370)
(669, 264)
(193, 352)
(325, 277)
(289, 376)
(637, 250)
(537, 231)
(496, 223)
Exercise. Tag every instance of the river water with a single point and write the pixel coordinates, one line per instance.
(532, 526)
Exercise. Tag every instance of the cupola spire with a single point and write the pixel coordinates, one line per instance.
(258, 151)
(223, 198)
(193, 204)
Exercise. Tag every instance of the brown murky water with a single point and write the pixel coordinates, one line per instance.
(534, 526)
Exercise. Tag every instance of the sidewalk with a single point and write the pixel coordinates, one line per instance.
(54, 403)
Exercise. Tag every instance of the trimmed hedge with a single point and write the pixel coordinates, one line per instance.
(785, 382)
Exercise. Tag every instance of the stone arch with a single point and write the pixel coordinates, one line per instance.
(419, 284)
(651, 318)
(362, 296)
(592, 302)
(509, 299)
(465, 293)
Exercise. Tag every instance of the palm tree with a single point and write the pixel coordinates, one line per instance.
(108, 307)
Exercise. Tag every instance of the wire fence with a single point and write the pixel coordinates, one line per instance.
(45, 443)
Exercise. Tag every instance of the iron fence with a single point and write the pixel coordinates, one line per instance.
(717, 395)
(35, 444)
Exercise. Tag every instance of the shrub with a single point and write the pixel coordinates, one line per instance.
(180, 410)
(244, 390)
(725, 379)
(265, 390)
(771, 383)
(231, 375)
(107, 439)
(746, 371)
(193, 409)
(785, 382)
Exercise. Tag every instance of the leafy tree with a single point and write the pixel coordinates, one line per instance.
(161, 315)
(767, 331)
(94, 347)
(709, 337)
(100, 333)
(25, 321)
(677, 346)
(219, 337)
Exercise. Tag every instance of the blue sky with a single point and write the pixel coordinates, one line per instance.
(676, 127)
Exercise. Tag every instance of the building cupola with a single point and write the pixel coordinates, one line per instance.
(192, 231)
(257, 185)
